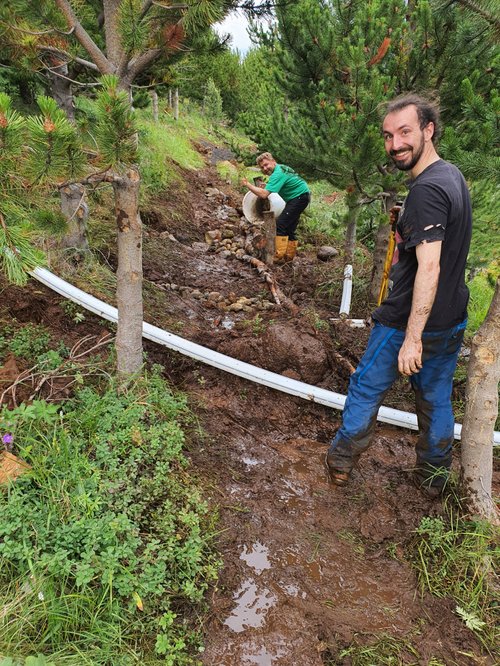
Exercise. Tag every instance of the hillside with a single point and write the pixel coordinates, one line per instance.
(310, 572)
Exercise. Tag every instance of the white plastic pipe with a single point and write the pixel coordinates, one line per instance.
(345, 303)
(226, 363)
(352, 323)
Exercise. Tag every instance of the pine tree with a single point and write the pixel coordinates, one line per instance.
(27, 174)
(337, 63)
(212, 102)
(43, 153)
(334, 63)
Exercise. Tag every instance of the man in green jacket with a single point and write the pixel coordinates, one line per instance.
(294, 191)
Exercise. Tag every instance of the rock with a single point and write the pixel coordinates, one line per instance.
(235, 307)
(326, 252)
(201, 247)
(227, 232)
(213, 192)
(291, 374)
(212, 236)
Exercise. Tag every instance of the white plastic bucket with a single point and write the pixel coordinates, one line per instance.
(252, 206)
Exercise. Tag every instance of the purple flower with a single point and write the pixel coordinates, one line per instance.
(8, 438)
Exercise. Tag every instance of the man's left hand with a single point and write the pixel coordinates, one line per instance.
(410, 357)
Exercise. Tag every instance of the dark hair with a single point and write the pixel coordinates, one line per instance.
(427, 111)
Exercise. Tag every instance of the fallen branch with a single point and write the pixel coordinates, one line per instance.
(37, 378)
(278, 295)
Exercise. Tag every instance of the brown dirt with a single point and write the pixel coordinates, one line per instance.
(308, 569)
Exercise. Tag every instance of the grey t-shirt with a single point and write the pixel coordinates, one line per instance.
(437, 208)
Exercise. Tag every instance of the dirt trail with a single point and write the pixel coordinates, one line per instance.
(307, 568)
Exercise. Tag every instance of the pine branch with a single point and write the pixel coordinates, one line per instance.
(68, 56)
(102, 63)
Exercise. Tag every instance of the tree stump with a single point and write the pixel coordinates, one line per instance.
(270, 233)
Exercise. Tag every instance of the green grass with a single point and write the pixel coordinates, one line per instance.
(105, 544)
(163, 145)
(322, 221)
(456, 558)
(482, 288)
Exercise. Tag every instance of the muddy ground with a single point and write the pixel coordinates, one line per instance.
(309, 569)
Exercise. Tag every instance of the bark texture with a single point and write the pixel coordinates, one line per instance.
(76, 212)
(270, 233)
(129, 275)
(154, 100)
(352, 201)
(481, 411)
(60, 88)
(176, 104)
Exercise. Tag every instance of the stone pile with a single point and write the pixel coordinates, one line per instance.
(214, 299)
(237, 239)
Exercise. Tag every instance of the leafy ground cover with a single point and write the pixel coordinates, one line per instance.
(105, 544)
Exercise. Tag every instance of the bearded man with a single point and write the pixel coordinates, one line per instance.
(418, 329)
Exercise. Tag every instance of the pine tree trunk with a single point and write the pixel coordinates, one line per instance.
(380, 250)
(176, 104)
(351, 219)
(129, 275)
(60, 89)
(154, 99)
(114, 48)
(76, 212)
(481, 410)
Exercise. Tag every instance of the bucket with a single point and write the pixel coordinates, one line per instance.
(253, 206)
(11, 467)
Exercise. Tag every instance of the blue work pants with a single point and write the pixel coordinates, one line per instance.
(377, 371)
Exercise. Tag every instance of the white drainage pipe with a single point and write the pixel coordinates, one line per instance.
(226, 363)
(345, 303)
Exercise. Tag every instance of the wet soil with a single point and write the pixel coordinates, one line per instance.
(308, 569)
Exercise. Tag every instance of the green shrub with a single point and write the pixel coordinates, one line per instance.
(29, 342)
(104, 544)
(455, 557)
(481, 290)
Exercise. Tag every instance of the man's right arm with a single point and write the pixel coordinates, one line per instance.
(424, 293)
(258, 191)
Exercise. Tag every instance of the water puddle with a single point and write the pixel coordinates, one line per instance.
(256, 557)
(252, 605)
(263, 657)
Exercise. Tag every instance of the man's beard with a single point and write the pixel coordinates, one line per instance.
(415, 155)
